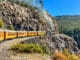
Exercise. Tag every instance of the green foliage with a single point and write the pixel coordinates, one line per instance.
(11, 27)
(70, 22)
(1, 23)
(21, 2)
(28, 48)
(46, 49)
(1, 0)
(29, 3)
(70, 25)
(24, 3)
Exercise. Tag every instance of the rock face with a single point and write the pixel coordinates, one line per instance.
(58, 42)
(21, 18)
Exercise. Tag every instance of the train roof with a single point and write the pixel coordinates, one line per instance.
(8, 30)
(19, 31)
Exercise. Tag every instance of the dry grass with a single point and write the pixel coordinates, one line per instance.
(66, 55)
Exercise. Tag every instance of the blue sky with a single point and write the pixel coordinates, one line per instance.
(62, 7)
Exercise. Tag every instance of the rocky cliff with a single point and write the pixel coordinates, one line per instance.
(59, 42)
(20, 18)
(17, 17)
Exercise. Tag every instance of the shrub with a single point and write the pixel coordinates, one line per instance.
(1, 23)
(46, 49)
(78, 56)
(28, 48)
(11, 27)
(69, 55)
(65, 56)
(23, 3)
(66, 52)
(59, 56)
(73, 57)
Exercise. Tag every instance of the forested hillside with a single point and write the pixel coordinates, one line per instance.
(70, 25)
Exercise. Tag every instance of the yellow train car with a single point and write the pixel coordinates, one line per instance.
(26, 34)
(1, 35)
(32, 33)
(22, 33)
(41, 33)
(10, 34)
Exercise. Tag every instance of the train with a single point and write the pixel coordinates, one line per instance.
(8, 34)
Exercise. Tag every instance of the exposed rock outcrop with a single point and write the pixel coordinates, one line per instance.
(22, 18)
(58, 42)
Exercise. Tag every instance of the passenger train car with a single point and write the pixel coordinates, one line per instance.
(8, 34)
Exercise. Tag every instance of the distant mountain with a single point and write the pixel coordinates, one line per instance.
(69, 21)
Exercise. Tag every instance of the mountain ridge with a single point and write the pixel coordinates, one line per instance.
(70, 25)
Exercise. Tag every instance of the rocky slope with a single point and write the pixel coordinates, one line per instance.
(58, 42)
(20, 18)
